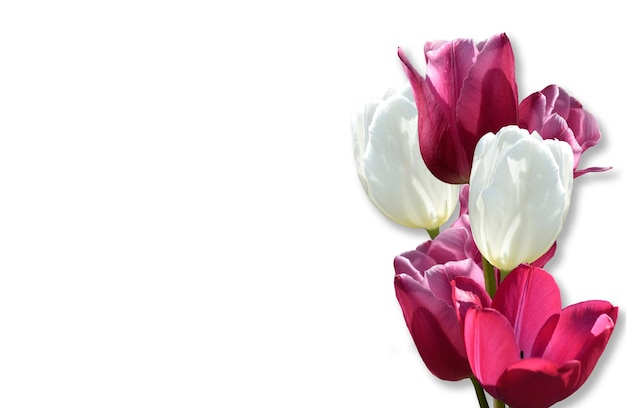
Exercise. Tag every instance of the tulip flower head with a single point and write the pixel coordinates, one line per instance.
(556, 115)
(519, 195)
(424, 283)
(528, 352)
(390, 166)
(469, 90)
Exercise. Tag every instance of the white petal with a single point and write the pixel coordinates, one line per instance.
(399, 183)
(519, 196)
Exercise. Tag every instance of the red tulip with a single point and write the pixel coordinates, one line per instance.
(554, 114)
(528, 352)
(468, 91)
(425, 281)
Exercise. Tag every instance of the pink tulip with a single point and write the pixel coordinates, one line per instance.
(425, 281)
(528, 352)
(554, 114)
(468, 91)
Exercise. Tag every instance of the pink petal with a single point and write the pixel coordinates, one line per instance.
(532, 110)
(413, 264)
(581, 334)
(537, 383)
(488, 99)
(585, 127)
(450, 245)
(578, 173)
(555, 127)
(434, 326)
(528, 296)
(490, 345)
(436, 137)
(439, 277)
(447, 66)
(467, 293)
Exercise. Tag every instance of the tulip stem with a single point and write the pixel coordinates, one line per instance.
(490, 277)
(498, 404)
(433, 232)
(480, 393)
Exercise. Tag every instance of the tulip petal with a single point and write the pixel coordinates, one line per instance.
(437, 139)
(361, 118)
(450, 245)
(391, 168)
(520, 190)
(555, 127)
(527, 297)
(582, 333)
(584, 126)
(537, 383)
(490, 345)
(443, 59)
(468, 293)
(439, 277)
(390, 165)
(543, 259)
(435, 329)
(488, 99)
(414, 263)
(532, 111)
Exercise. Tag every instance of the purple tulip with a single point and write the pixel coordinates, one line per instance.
(528, 352)
(469, 90)
(425, 281)
(554, 114)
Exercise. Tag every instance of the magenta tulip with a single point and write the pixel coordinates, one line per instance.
(469, 90)
(424, 284)
(525, 350)
(554, 114)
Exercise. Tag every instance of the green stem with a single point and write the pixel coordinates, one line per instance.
(498, 404)
(433, 232)
(490, 278)
(480, 393)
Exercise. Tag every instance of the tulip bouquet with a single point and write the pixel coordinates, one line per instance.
(476, 297)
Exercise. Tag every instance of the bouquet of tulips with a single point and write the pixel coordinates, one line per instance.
(476, 297)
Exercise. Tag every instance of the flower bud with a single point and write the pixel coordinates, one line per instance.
(390, 166)
(519, 195)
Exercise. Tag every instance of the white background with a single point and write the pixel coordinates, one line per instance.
(181, 224)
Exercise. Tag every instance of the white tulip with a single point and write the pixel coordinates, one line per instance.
(519, 195)
(390, 165)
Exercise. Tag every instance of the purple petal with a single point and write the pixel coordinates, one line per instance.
(435, 329)
(532, 110)
(447, 66)
(488, 99)
(438, 140)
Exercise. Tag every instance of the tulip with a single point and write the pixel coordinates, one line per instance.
(469, 90)
(525, 350)
(556, 115)
(519, 195)
(390, 166)
(425, 281)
